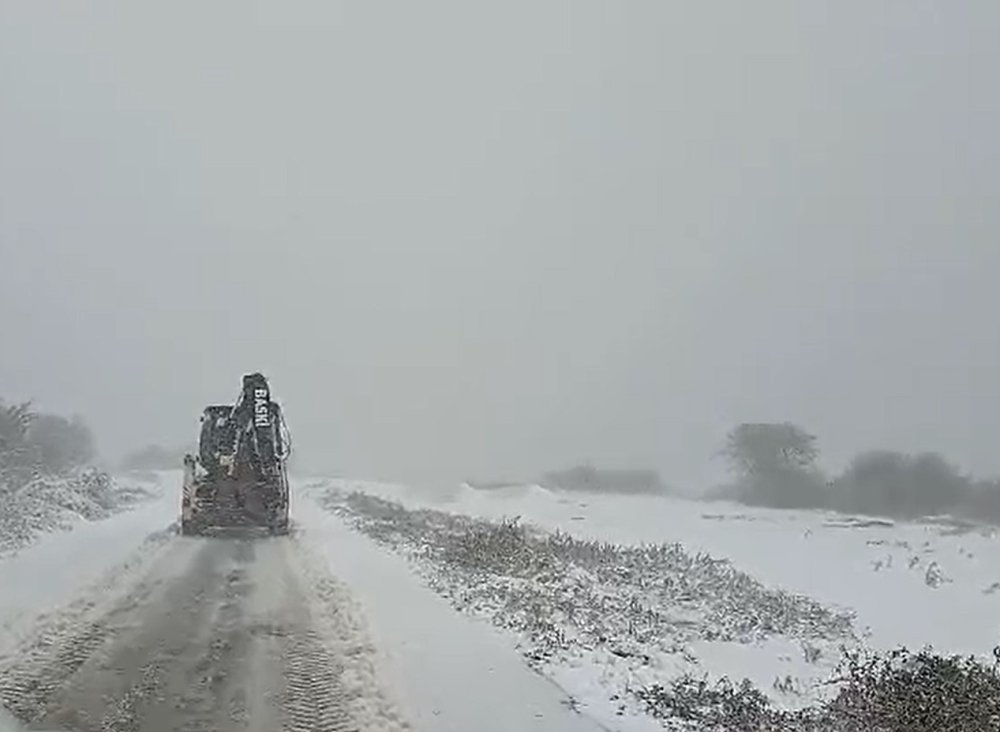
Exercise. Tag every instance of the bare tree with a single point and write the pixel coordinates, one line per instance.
(775, 464)
(763, 448)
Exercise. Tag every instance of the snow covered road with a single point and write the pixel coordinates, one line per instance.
(123, 625)
(218, 634)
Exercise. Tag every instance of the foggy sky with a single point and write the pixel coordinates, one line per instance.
(488, 239)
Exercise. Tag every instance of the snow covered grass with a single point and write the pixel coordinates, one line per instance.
(648, 590)
(47, 504)
(629, 614)
(907, 583)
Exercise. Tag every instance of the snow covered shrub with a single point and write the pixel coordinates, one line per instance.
(97, 488)
(502, 548)
(44, 482)
(47, 503)
(883, 482)
(904, 691)
(719, 707)
(895, 692)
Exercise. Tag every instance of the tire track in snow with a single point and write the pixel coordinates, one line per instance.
(217, 634)
(61, 642)
(315, 700)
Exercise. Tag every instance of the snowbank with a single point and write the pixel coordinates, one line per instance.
(47, 504)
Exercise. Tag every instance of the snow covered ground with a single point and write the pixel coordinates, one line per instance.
(447, 669)
(915, 584)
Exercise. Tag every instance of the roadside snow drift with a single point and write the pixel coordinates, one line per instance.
(46, 503)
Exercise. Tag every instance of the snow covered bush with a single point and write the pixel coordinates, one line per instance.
(899, 691)
(44, 482)
(52, 503)
(889, 483)
(501, 548)
(711, 707)
(903, 691)
(775, 465)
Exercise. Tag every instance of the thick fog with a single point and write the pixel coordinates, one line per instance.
(486, 240)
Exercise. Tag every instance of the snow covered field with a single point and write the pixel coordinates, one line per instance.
(904, 584)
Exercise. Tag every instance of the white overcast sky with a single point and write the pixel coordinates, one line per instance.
(487, 239)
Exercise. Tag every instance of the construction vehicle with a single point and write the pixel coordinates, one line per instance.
(239, 478)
